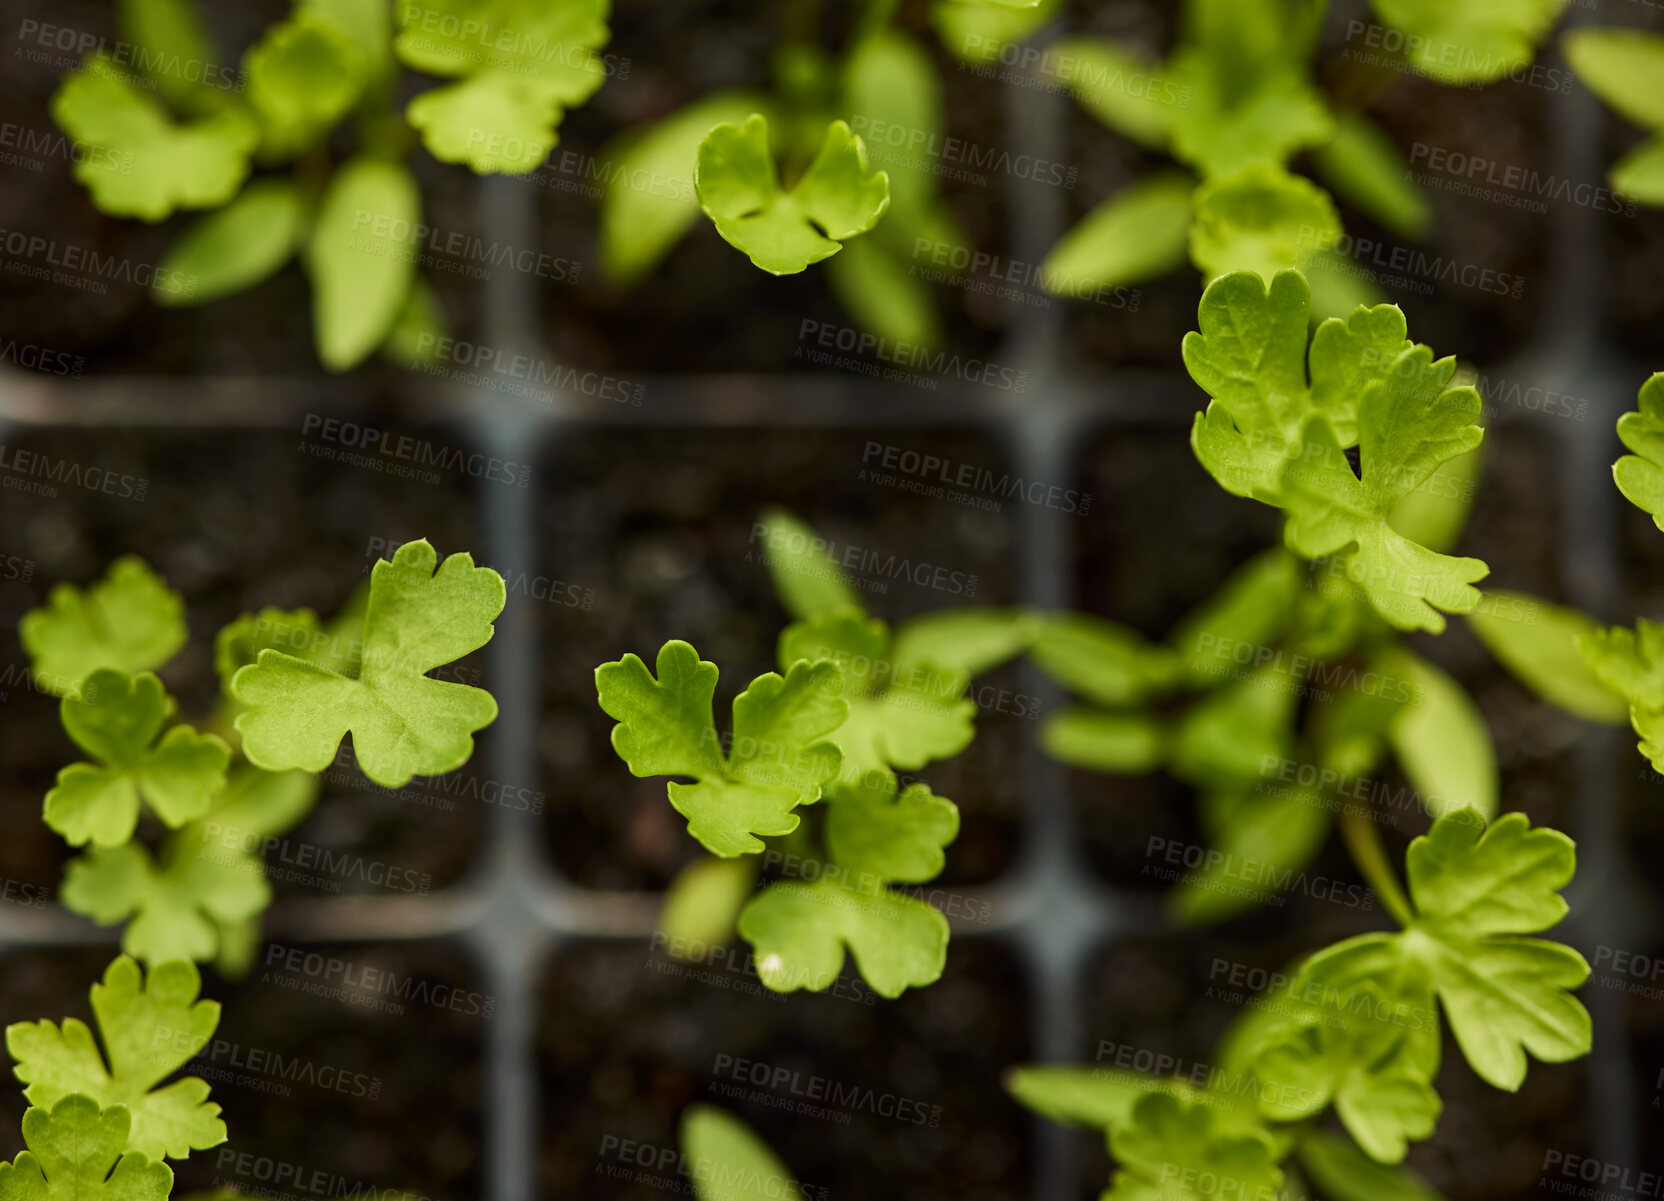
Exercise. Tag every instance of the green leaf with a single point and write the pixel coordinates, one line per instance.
(703, 901)
(1475, 890)
(75, 1154)
(808, 581)
(1261, 219)
(234, 248)
(1221, 132)
(146, 164)
(521, 64)
(1343, 1172)
(298, 632)
(130, 621)
(1089, 1097)
(1640, 173)
(648, 202)
(175, 50)
(150, 1029)
(211, 884)
(883, 837)
(798, 933)
(1265, 836)
(978, 33)
(367, 25)
(1622, 67)
(416, 339)
(1631, 663)
(1223, 741)
(781, 231)
(1251, 610)
(116, 720)
(780, 756)
(1640, 476)
(881, 294)
(1120, 743)
(1440, 739)
(1471, 41)
(968, 642)
(1436, 514)
(1139, 233)
(1105, 662)
(303, 76)
(1363, 165)
(362, 258)
(728, 1161)
(1128, 93)
(1179, 1150)
(402, 722)
(1538, 642)
(897, 717)
(889, 82)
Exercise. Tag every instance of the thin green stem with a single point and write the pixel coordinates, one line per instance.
(1363, 840)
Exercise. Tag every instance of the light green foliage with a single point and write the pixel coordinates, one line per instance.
(175, 51)
(402, 721)
(781, 755)
(141, 162)
(129, 621)
(211, 882)
(1343, 1172)
(1440, 739)
(899, 715)
(361, 258)
(337, 646)
(75, 1154)
(728, 1161)
(1470, 41)
(1091, 1097)
(116, 719)
(1622, 67)
(1539, 643)
(703, 901)
(519, 64)
(1364, 166)
(1631, 664)
(978, 33)
(1261, 219)
(149, 1029)
(648, 200)
(1640, 474)
(1475, 891)
(1180, 1150)
(1270, 434)
(807, 580)
(1139, 233)
(782, 231)
(303, 76)
(234, 248)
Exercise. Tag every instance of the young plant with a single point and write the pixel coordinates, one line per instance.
(291, 690)
(1235, 103)
(826, 109)
(187, 135)
(1356, 1028)
(849, 705)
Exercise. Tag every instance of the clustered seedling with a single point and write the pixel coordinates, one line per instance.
(850, 705)
(182, 133)
(291, 689)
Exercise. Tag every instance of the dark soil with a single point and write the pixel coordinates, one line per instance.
(234, 523)
(654, 531)
(629, 1038)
